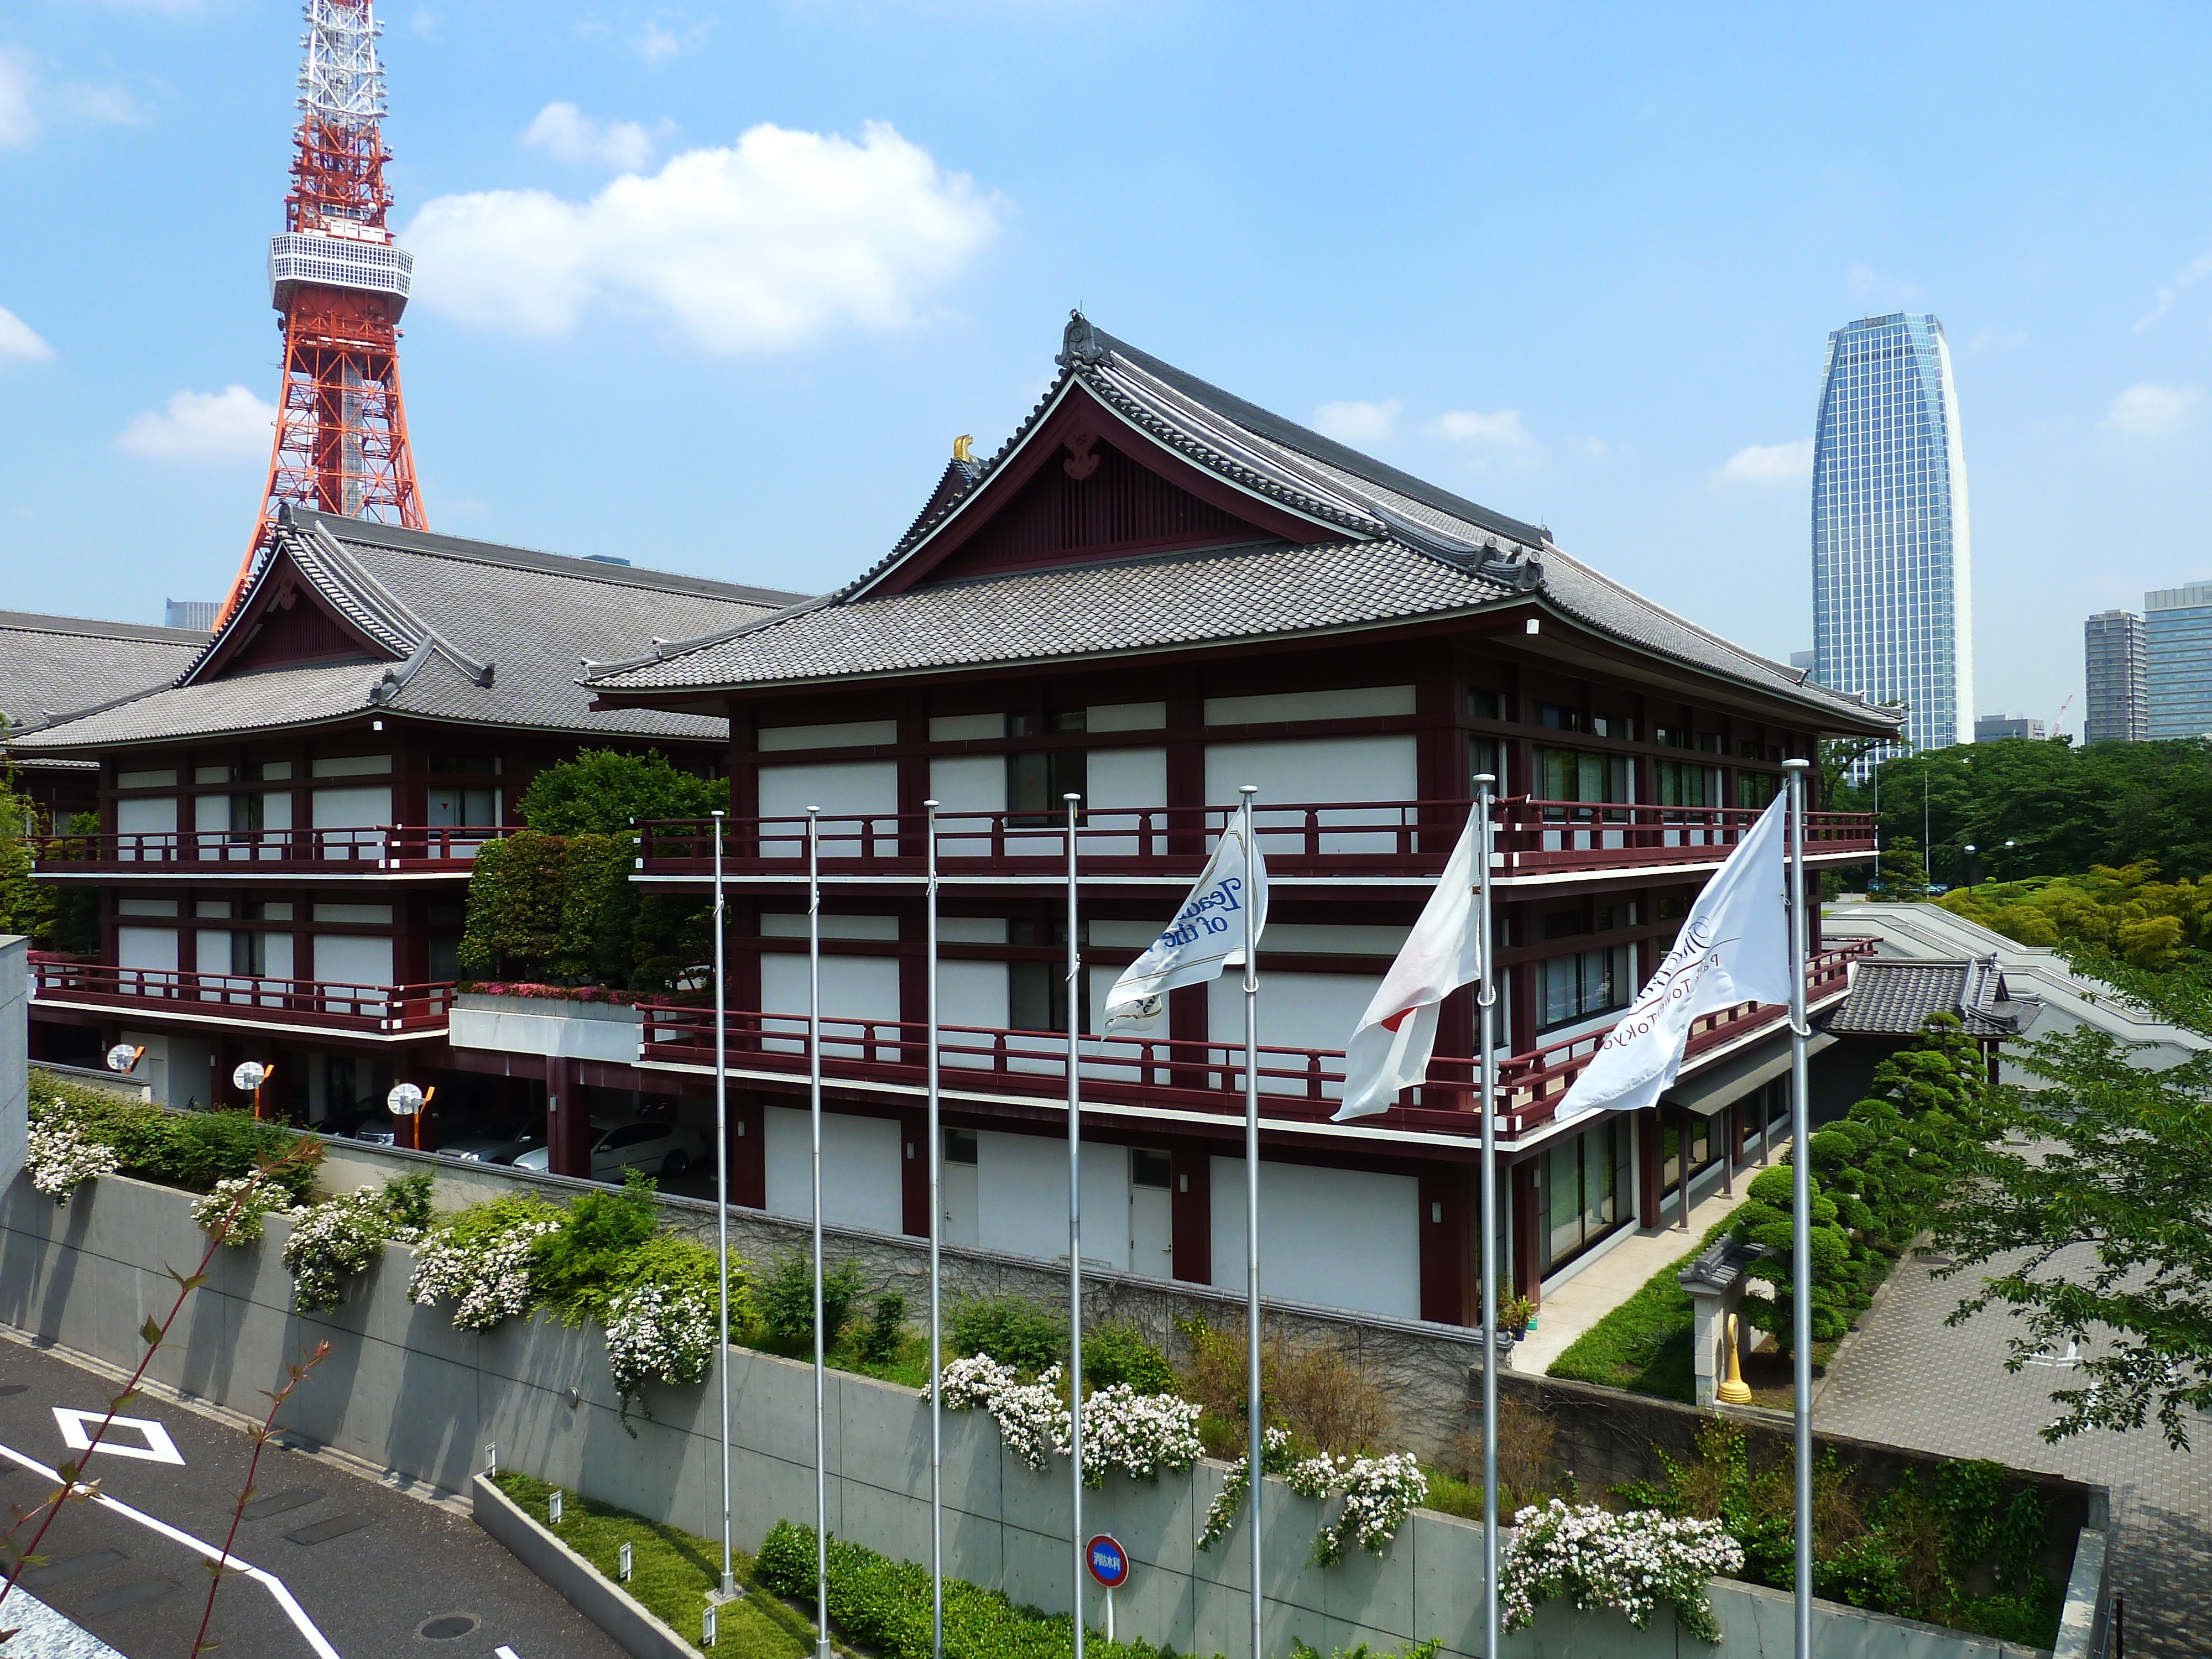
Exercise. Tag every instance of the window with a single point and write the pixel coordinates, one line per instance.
(1149, 1169)
(1580, 1183)
(249, 954)
(1684, 783)
(1704, 1148)
(1486, 705)
(1746, 749)
(1710, 742)
(1565, 924)
(1486, 754)
(477, 766)
(1035, 782)
(1568, 775)
(1610, 916)
(448, 805)
(1588, 982)
(632, 1134)
(1671, 736)
(1559, 717)
(1037, 995)
(1065, 719)
(246, 815)
(1755, 788)
(960, 1147)
(1622, 726)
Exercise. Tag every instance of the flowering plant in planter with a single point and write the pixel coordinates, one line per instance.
(1275, 1459)
(60, 1159)
(1379, 1493)
(1144, 1435)
(239, 1205)
(334, 1241)
(483, 1266)
(1635, 1563)
(517, 987)
(658, 1333)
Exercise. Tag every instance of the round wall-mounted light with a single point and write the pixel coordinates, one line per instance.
(250, 1075)
(124, 1056)
(404, 1100)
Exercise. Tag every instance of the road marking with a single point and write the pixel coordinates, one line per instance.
(269, 1581)
(505, 1653)
(158, 1449)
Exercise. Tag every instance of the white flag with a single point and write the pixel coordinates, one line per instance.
(1390, 1050)
(1734, 947)
(1206, 935)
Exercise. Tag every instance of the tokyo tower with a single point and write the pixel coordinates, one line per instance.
(339, 283)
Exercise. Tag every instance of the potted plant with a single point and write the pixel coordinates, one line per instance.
(1513, 1313)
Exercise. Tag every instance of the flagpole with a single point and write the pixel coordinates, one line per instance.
(1257, 1470)
(1800, 1203)
(1486, 1000)
(1074, 1229)
(936, 1228)
(722, 1194)
(814, 1121)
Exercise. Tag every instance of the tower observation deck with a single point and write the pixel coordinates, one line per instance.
(339, 283)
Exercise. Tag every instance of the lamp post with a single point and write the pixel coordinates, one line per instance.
(1971, 851)
(250, 1076)
(409, 1101)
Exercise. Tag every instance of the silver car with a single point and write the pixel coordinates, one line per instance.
(656, 1146)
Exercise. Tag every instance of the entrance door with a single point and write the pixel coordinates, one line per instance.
(962, 1196)
(1152, 1215)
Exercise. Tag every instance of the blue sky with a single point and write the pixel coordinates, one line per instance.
(715, 288)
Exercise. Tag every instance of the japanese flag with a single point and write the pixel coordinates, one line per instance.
(1390, 1050)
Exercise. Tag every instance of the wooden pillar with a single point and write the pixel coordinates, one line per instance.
(1452, 1283)
(1527, 1270)
(1650, 1167)
(749, 1152)
(914, 1173)
(568, 1121)
(1190, 1207)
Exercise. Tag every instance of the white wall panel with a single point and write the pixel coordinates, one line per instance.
(1303, 1010)
(1126, 778)
(860, 1168)
(971, 993)
(157, 816)
(849, 789)
(1022, 1182)
(351, 809)
(146, 947)
(841, 734)
(968, 783)
(1335, 1239)
(353, 959)
(1382, 769)
(853, 988)
(214, 952)
(1356, 702)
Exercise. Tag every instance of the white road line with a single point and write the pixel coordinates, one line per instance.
(505, 1652)
(269, 1581)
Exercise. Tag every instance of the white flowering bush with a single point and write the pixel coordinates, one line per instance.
(333, 1241)
(1143, 1435)
(240, 1207)
(1274, 1458)
(60, 1159)
(484, 1272)
(1634, 1564)
(658, 1333)
(1379, 1493)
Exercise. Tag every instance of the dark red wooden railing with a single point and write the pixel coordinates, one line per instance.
(408, 847)
(1169, 1071)
(1350, 838)
(384, 1008)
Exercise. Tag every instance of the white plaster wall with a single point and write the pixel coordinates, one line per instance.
(968, 783)
(971, 993)
(860, 1168)
(144, 817)
(1336, 1238)
(350, 809)
(15, 1051)
(853, 987)
(146, 947)
(848, 787)
(353, 959)
(1304, 1011)
(1022, 1205)
(1381, 768)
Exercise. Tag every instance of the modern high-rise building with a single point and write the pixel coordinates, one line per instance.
(1891, 611)
(2178, 660)
(1995, 728)
(2113, 652)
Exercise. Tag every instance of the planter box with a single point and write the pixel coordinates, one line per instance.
(552, 1026)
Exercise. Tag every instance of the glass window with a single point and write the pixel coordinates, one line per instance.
(1756, 789)
(450, 806)
(1568, 775)
(1036, 783)
(1587, 982)
(1578, 1189)
(1486, 754)
(466, 765)
(1559, 717)
(1684, 783)
(1148, 1168)
(1486, 705)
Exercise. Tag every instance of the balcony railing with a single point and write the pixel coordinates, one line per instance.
(410, 848)
(1170, 1073)
(1347, 838)
(243, 997)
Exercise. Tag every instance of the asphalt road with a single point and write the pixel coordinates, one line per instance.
(350, 1569)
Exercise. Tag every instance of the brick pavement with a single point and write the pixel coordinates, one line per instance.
(1906, 1379)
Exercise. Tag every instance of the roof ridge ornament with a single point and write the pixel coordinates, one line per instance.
(1080, 343)
(1515, 568)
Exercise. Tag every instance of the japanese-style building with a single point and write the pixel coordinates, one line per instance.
(289, 808)
(49, 664)
(1153, 593)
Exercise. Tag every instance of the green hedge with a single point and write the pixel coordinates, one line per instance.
(190, 1150)
(883, 1606)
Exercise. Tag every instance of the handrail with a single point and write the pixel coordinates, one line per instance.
(380, 1007)
(1169, 1071)
(382, 847)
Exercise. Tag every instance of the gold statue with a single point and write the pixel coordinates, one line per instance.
(1734, 1391)
(960, 447)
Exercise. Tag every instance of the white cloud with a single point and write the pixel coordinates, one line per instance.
(229, 425)
(2144, 410)
(18, 340)
(656, 43)
(110, 105)
(759, 247)
(1500, 436)
(1764, 463)
(567, 134)
(1354, 422)
(2191, 274)
(18, 125)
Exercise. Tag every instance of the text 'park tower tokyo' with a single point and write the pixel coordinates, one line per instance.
(339, 283)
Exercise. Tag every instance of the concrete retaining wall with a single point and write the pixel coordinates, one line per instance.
(405, 1390)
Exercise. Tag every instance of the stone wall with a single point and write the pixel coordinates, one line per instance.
(404, 1390)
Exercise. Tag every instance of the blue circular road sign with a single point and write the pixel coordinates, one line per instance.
(1108, 1560)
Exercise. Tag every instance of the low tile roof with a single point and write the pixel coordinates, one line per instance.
(50, 664)
(481, 635)
(1408, 549)
(1892, 997)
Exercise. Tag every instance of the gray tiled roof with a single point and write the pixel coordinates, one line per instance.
(479, 635)
(49, 664)
(1407, 548)
(1892, 998)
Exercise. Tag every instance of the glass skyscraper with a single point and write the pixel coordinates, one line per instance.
(1891, 595)
(2178, 660)
(2120, 704)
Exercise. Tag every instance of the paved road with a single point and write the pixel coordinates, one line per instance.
(368, 1571)
(1907, 1380)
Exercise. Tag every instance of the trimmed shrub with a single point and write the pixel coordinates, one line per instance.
(1010, 1331)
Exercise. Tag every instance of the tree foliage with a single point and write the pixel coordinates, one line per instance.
(602, 791)
(2126, 913)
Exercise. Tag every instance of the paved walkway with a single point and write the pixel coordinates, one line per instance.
(1906, 1379)
(1617, 1274)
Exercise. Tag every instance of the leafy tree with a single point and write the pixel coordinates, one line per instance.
(514, 924)
(602, 791)
(2127, 912)
(1902, 873)
(1767, 1217)
(2099, 1229)
(25, 907)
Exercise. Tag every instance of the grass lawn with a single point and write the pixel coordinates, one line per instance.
(1643, 1344)
(670, 1573)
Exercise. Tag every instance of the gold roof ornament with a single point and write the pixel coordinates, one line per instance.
(960, 447)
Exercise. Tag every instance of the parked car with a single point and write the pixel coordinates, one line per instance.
(659, 1146)
(365, 1120)
(494, 1143)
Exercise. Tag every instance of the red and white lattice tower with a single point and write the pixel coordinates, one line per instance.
(339, 283)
